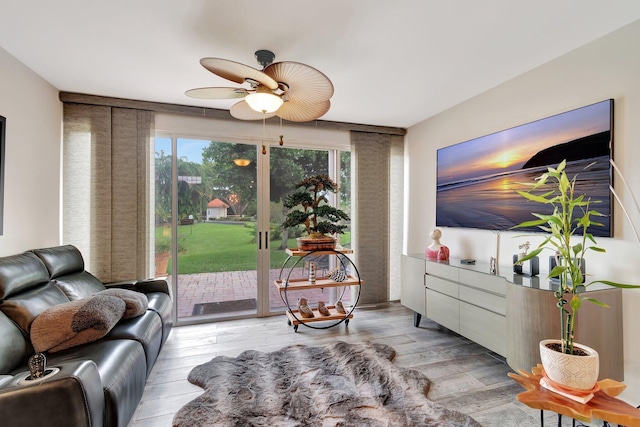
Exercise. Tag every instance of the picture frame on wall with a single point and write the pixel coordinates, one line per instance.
(3, 126)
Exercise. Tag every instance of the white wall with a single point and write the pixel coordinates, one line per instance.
(32, 163)
(606, 68)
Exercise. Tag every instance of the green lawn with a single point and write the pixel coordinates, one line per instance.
(210, 247)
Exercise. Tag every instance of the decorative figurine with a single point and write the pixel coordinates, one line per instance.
(338, 275)
(340, 308)
(524, 247)
(527, 268)
(304, 309)
(312, 273)
(37, 366)
(322, 309)
(437, 250)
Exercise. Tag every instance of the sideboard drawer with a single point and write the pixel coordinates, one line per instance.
(444, 271)
(486, 328)
(443, 310)
(443, 286)
(491, 283)
(491, 302)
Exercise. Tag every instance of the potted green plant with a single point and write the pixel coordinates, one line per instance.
(162, 254)
(309, 207)
(572, 216)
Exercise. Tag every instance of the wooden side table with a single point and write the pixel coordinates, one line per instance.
(603, 406)
(284, 285)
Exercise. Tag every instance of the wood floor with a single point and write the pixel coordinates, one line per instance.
(465, 376)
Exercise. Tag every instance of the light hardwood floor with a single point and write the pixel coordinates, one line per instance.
(465, 376)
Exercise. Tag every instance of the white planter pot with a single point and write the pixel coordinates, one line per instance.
(567, 370)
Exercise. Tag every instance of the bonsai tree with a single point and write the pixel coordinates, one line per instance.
(572, 215)
(309, 207)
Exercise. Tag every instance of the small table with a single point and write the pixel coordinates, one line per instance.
(603, 406)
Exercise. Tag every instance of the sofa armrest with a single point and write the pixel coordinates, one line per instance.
(73, 396)
(145, 286)
(153, 285)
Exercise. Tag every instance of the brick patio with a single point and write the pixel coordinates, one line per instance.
(238, 285)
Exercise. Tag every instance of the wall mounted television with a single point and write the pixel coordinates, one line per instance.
(477, 179)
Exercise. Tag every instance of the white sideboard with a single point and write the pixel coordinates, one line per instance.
(508, 313)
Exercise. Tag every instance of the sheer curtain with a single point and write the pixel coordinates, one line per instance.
(107, 164)
(377, 200)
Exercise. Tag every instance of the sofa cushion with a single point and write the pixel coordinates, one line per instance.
(15, 348)
(61, 260)
(136, 302)
(161, 303)
(19, 273)
(79, 285)
(146, 329)
(74, 323)
(26, 306)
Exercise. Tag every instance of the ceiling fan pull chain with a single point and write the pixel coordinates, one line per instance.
(264, 124)
(281, 135)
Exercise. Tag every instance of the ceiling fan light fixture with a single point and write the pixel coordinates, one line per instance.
(241, 162)
(290, 90)
(263, 102)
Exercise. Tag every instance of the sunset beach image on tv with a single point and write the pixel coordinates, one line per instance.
(477, 179)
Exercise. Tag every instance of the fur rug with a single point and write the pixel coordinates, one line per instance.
(337, 384)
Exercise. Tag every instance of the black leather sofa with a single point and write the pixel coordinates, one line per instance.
(98, 383)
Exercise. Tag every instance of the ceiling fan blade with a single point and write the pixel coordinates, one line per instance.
(242, 111)
(217, 93)
(302, 112)
(237, 72)
(306, 84)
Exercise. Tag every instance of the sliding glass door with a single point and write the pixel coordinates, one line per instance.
(208, 215)
(288, 166)
(218, 209)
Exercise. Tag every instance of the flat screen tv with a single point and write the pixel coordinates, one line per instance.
(477, 179)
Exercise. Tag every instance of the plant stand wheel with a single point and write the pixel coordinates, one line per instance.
(318, 321)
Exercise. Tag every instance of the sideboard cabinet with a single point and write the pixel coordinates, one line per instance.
(508, 313)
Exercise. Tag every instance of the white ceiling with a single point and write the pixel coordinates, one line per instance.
(393, 63)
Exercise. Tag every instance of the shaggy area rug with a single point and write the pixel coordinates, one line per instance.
(338, 384)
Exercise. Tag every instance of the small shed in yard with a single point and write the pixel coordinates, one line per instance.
(217, 209)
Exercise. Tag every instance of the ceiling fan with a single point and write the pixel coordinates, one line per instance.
(289, 90)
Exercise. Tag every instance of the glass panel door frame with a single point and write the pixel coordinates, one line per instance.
(264, 228)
